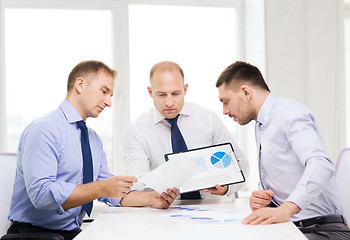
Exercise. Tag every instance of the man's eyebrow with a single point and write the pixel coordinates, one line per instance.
(107, 88)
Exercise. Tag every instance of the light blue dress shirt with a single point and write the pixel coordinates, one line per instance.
(293, 162)
(50, 166)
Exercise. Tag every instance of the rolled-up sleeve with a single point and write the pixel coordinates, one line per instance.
(40, 162)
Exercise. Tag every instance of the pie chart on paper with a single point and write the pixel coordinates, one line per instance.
(220, 160)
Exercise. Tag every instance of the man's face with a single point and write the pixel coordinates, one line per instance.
(97, 91)
(168, 91)
(236, 104)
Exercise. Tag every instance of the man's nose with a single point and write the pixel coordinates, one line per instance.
(169, 101)
(225, 110)
(108, 101)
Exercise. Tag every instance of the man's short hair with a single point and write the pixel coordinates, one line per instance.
(239, 73)
(84, 68)
(165, 66)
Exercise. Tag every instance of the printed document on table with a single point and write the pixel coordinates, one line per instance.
(203, 214)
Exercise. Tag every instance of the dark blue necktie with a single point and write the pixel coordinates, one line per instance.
(179, 145)
(87, 161)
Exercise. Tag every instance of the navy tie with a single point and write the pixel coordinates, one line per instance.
(179, 145)
(87, 161)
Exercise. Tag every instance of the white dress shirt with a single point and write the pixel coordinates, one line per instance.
(148, 138)
(293, 162)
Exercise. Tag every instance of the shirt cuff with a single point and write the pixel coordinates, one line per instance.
(61, 192)
(61, 210)
(301, 198)
(113, 202)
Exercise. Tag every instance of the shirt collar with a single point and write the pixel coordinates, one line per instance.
(157, 117)
(266, 108)
(70, 112)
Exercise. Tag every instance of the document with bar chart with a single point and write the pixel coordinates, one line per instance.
(218, 165)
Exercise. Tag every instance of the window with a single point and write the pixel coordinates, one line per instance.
(203, 41)
(39, 57)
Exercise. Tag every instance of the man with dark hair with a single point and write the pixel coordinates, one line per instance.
(61, 165)
(296, 174)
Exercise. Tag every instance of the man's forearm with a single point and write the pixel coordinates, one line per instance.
(290, 208)
(83, 193)
(137, 199)
(113, 187)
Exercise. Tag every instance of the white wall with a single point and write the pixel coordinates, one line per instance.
(305, 60)
(2, 84)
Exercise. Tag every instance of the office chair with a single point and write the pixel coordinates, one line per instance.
(342, 170)
(8, 163)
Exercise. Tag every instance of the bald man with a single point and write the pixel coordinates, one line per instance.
(148, 138)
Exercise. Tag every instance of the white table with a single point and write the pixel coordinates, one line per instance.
(149, 223)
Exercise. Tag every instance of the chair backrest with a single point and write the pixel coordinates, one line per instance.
(342, 173)
(7, 176)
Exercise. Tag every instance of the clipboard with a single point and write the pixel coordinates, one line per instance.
(218, 165)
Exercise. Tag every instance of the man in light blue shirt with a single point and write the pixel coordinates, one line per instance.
(48, 191)
(297, 179)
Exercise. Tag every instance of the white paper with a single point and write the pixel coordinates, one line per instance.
(170, 174)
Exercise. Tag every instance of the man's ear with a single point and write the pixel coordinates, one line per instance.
(246, 92)
(79, 84)
(150, 91)
(185, 88)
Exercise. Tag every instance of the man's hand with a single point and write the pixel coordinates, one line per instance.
(150, 198)
(217, 190)
(117, 186)
(260, 199)
(269, 215)
(164, 200)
